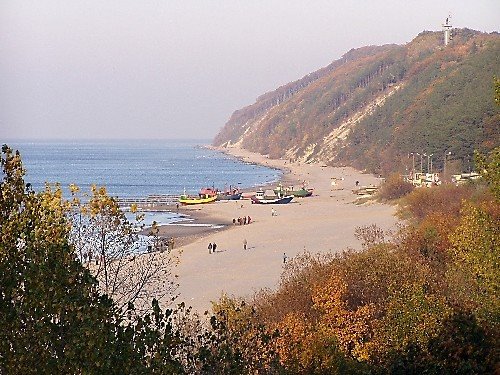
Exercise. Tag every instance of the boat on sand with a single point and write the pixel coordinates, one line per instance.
(290, 190)
(269, 197)
(200, 199)
(231, 194)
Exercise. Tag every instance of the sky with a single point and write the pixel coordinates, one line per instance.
(171, 69)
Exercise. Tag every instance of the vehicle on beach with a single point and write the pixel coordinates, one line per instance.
(290, 190)
(269, 197)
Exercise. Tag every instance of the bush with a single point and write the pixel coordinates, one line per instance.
(444, 199)
(395, 187)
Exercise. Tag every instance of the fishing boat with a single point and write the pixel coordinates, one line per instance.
(186, 200)
(229, 196)
(208, 192)
(200, 199)
(290, 190)
(269, 197)
(247, 195)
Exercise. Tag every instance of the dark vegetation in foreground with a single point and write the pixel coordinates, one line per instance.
(422, 300)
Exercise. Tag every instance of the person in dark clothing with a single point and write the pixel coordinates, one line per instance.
(214, 247)
(210, 248)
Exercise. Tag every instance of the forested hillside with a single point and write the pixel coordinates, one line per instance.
(375, 105)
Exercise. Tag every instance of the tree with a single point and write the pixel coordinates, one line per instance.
(473, 274)
(53, 318)
(51, 314)
(489, 167)
(113, 249)
(395, 187)
(497, 90)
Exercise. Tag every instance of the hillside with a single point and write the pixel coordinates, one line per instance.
(377, 104)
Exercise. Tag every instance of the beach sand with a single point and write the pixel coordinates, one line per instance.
(324, 222)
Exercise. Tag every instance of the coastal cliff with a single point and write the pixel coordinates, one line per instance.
(377, 104)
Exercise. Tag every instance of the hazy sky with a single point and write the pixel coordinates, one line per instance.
(178, 69)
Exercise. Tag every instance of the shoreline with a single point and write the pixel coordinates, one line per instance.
(322, 223)
(185, 235)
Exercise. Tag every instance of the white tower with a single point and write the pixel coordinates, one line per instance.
(447, 30)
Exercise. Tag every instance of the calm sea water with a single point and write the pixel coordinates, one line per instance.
(137, 168)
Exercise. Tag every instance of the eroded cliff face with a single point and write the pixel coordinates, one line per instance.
(244, 121)
(376, 104)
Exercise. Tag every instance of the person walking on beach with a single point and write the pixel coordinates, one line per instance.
(214, 247)
(273, 212)
(210, 248)
(245, 244)
(284, 258)
(249, 219)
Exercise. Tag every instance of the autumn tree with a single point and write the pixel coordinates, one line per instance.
(474, 275)
(130, 267)
(395, 187)
(489, 167)
(53, 317)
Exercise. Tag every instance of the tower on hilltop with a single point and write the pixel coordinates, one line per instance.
(447, 30)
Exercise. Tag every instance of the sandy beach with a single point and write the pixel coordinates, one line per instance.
(324, 222)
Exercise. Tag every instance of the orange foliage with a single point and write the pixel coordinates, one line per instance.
(430, 238)
(295, 335)
(445, 199)
(351, 327)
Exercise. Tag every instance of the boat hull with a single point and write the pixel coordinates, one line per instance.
(283, 200)
(229, 197)
(301, 193)
(193, 200)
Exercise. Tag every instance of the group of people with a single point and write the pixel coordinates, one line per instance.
(212, 248)
(242, 220)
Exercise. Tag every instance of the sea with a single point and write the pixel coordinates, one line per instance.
(138, 168)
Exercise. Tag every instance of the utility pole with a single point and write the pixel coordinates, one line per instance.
(446, 154)
(412, 164)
